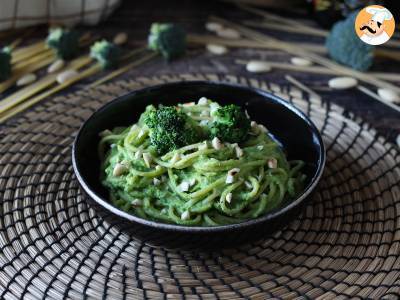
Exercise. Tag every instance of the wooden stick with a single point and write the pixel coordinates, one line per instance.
(299, 51)
(40, 85)
(33, 60)
(28, 69)
(370, 93)
(302, 86)
(123, 70)
(281, 26)
(13, 102)
(245, 43)
(300, 25)
(320, 70)
(17, 109)
(22, 53)
(393, 54)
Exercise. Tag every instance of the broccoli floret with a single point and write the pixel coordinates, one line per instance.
(170, 129)
(346, 48)
(106, 53)
(167, 39)
(230, 124)
(64, 41)
(5, 63)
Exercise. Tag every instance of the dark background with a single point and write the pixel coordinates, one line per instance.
(135, 18)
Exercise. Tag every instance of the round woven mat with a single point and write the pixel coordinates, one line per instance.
(52, 245)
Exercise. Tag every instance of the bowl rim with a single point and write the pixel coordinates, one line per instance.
(198, 229)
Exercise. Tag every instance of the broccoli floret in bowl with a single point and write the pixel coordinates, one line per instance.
(106, 53)
(230, 124)
(171, 129)
(167, 39)
(64, 41)
(5, 63)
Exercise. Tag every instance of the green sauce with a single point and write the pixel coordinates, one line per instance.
(209, 183)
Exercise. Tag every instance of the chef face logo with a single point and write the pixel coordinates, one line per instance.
(374, 25)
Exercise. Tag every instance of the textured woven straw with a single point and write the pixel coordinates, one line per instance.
(346, 242)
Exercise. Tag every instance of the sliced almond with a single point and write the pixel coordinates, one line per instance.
(66, 76)
(213, 26)
(184, 186)
(56, 66)
(138, 154)
(217, 144)
(299, 61)
(120, 39)
(341, 83)
(239, 151)
(156, 181)
(185, 215)
(202, 101)
(137, 203)
(258, 66)
(228, 197)
(119, 169)
(147, 159)
(272, 163)
(216, 49)
(229, 179)
(26, 79)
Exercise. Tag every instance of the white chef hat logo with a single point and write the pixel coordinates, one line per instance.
(374, 25)
(379, 14)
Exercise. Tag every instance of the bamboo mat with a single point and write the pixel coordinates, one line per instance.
(346, 243)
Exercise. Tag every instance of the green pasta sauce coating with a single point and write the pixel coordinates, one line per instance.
(198, 180)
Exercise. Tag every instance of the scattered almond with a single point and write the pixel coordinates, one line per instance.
(119, 169)
(185, 215)
(272, 163)
(299, 61)
(184, 186)
(213, 26)
(202, 101)
(56, 66)
(147, 159)
(217, 144)
(26, 79)
(228, 197)
(137, 202)
(389, 95)
(66, 76)
(216, 49)
(341, 83)
(258, 66)
(120, 39)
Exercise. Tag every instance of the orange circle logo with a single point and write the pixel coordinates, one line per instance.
(374, 25)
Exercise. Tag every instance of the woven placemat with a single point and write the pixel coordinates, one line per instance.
(52, 245)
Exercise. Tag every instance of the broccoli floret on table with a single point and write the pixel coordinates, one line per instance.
(230, 124)
(170, 129)
(346, 48)
(64, 41)
(5, 63)
(106, 53)
(168, 39)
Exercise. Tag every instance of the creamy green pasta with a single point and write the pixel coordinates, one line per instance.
(208, 182)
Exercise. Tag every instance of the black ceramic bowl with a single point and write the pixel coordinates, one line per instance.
(297, 134)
